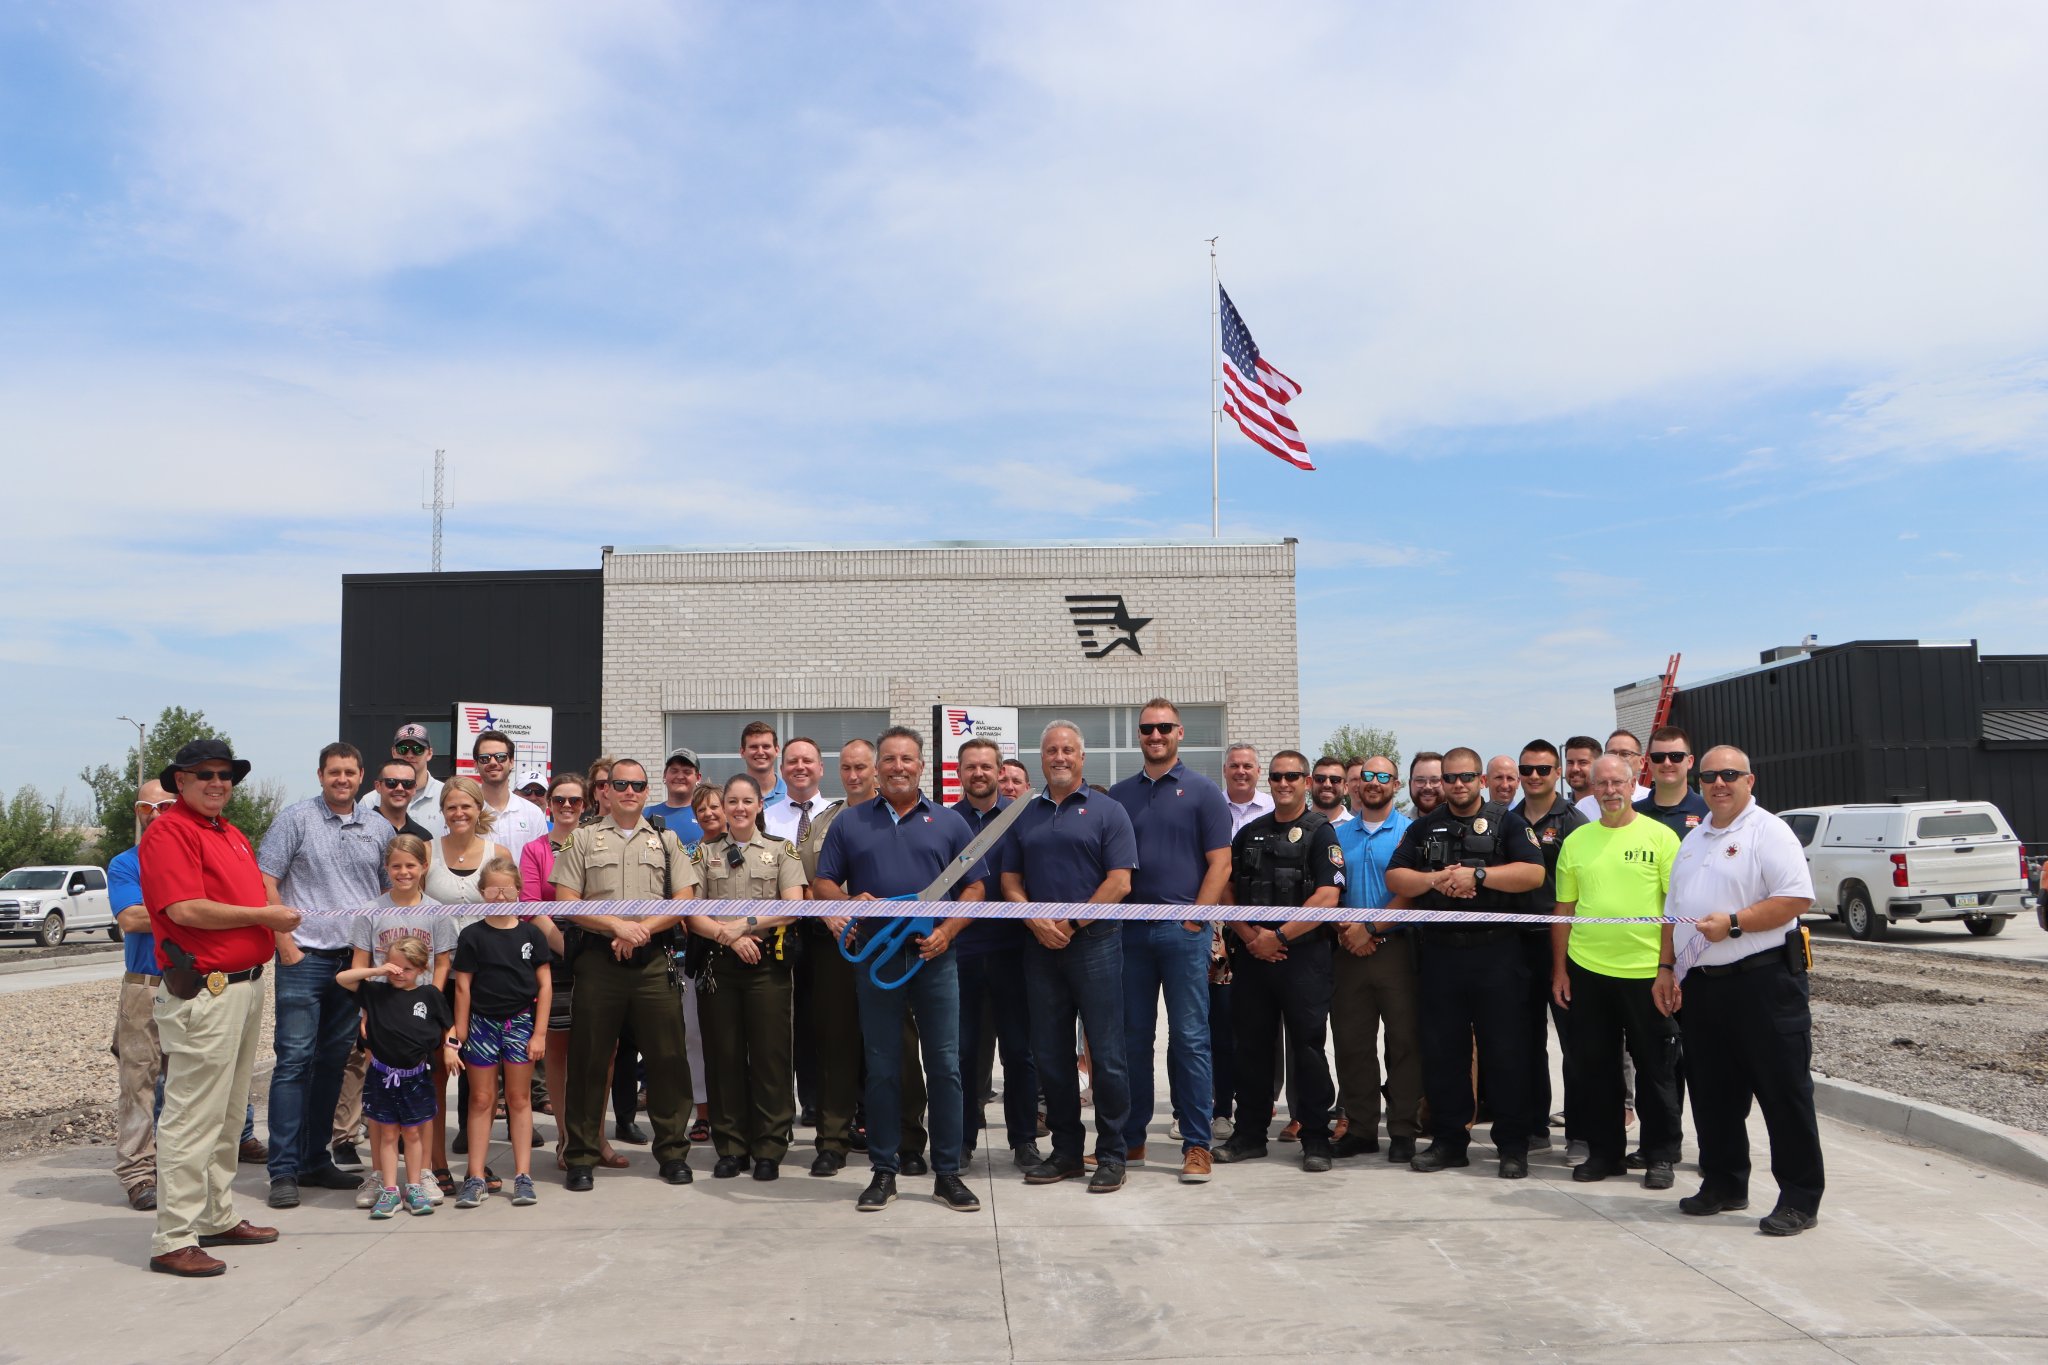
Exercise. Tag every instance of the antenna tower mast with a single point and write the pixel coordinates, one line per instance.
(440, 503)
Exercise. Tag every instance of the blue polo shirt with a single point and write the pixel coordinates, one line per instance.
(1180, 820)
(680, 821)
(985, 934)
(1366, 856)
(871, 849)
(1064, 849)
(124, 888)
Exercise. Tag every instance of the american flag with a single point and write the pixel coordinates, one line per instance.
(1255, 395)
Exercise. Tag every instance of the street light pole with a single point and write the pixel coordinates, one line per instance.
(141, 739)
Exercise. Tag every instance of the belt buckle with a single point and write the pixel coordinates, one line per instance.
(216, 982)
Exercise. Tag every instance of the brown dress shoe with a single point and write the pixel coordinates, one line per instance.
(253, 1152)
(142, 1198)
(189, 1262)
(242, 1234)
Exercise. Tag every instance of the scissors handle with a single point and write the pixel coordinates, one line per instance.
(882, 944)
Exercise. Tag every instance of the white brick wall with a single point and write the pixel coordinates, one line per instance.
(905, 628)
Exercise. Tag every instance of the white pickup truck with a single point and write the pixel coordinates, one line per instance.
(1920, 860)
(49, 902)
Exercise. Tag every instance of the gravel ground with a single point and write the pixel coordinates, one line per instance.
(58, 1087)
(28, 950)
(1969, 1033)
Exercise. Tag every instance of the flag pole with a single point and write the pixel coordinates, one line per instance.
(1215, 412)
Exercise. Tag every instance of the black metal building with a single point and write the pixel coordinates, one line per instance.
(1886, 720)
(414, 644)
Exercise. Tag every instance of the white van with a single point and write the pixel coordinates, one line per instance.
(1919, 860)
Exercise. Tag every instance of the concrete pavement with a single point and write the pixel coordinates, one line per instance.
(2022, 939)
(92, 969)
(1918, 1256)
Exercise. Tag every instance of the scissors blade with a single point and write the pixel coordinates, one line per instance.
(957, 870)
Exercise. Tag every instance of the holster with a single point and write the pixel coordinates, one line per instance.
(182, 978)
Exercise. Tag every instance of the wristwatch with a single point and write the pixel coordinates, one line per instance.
(1478, 876)
(1735, 925)
(1281, 934)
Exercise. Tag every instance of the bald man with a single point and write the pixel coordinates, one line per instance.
(139, 1054)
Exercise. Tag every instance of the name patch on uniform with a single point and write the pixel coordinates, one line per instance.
(1692, 822)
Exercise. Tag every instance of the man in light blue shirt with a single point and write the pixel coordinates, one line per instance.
(1374, 980)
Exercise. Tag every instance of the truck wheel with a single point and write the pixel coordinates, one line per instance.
(52, 932)
(114, 933)
(1984, 926)
(1863, 920)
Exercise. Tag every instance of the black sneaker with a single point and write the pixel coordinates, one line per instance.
(1316, 1159)
(677, 1172)
(1513, 1166)
(284, 1193)
(1592, 1170)
(764, 1169)
(1708, 1202)
(914, 1164)
(459, 1144)
(828, 1164)
(328, 1178)
(858, 1139)
(1107, 1179)
(1659, 1176)
(579, 1179)
(952, 1191)
(807, 1118)
(1027, 1156)
(628, 1133)
(880, 1193)
(725, 1168)
(344, 1154)
(1400, 1150)
(1439, 1156)
(1053, 1170)
(1355, 1144)
(1786, 1221)
(1234, 1150)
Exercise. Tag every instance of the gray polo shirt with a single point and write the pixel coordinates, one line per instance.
(324, 861)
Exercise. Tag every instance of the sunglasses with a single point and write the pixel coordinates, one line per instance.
(1464, 779)
(1157, 727)
(1538, 769)
(409, 749)
(1295, 776)
(212, 775)
(157, 806)
(1728, 775)
(398, 783)
(1624, 753)
(565, 800)
(628, 784)
(1381, 778)
(1672, 756)
(1327, 779)
(493, 757)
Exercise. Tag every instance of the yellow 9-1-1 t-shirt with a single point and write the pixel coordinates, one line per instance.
(1617, 874)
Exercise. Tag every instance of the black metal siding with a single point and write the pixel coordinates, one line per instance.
(412, 645)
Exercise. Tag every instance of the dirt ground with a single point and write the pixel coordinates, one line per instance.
(1970, 1033)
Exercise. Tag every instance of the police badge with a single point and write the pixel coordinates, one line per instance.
(1294, 835)
(1479, 825)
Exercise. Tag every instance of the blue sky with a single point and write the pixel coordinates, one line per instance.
(1623, 329)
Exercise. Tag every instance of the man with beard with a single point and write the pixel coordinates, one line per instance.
(1373, 979)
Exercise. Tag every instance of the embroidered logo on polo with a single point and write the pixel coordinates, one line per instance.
(1105, 615)
(1731, 850)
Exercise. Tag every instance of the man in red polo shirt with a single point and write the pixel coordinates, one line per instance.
(213, 931)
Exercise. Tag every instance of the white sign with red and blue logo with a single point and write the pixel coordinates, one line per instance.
(953, 725)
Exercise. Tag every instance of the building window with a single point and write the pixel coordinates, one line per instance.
(1110, 735)
(715, 735)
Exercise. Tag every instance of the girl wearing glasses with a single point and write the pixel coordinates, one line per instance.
(746, 989)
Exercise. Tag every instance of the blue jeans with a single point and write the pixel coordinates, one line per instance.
(932, 996)
(1164, 956)
(316, 1028)
(998, 976)
(1084, 981)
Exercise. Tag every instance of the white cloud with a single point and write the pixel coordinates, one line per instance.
(1998, 409)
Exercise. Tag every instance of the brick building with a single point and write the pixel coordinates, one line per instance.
(841, 642)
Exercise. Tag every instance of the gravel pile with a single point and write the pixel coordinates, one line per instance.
(59, 1083)
(1971, 1034)
(27, 950)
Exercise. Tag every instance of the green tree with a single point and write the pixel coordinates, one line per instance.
(254, 805)
(34, 831)
(1362, 741)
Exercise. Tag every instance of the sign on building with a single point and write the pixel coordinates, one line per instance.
(530, 728)
(953, 725)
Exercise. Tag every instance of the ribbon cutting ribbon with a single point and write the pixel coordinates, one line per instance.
(994, 910)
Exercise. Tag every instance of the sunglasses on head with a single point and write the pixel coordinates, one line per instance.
(1381, 778)
(1464, 778)
(398, 783)
(409, 749)
(1669, 756)
(1538, 769)
(1728, 775)
(1277, 776)
(628, 784)
(1157, 727)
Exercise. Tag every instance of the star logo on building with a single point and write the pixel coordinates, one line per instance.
(1100, 616)
(480, 719)
(958, 722)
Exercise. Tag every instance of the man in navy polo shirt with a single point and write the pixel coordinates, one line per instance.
(1183, 831)
(1672, 801)
(1073, 845)
(991, 953)
(896, 845)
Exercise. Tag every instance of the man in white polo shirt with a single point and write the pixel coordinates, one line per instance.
(1741, 974)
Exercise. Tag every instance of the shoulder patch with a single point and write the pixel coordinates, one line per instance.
(1532, 836)
(1336, 856)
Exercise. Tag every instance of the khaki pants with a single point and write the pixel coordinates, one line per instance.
(141, 1061)
(1371, 994)
(209, 1052)
(348, 1110)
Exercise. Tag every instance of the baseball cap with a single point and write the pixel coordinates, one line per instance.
(683, 754)
(532, 777)
(415, 732)
(203, 751)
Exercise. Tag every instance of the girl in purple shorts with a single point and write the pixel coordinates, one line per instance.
(502, 985)
(406, 1023)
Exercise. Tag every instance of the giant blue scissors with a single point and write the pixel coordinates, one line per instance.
(880, 945)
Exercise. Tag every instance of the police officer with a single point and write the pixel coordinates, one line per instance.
(1280, 970)
(623, 973)
(1551, 817)
(1471, 854)
(746, 988)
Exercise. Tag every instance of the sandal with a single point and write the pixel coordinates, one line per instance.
(612, 1161)
(445, 1178)
(491, 1181)
(700, 1131)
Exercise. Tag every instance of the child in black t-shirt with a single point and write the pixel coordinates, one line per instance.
(502, 984)
(406, 1022)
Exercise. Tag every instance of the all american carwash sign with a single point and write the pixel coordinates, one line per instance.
(530, 728)
(953, 725)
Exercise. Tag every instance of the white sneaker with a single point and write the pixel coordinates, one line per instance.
(433, 1189)
(1173, 1130)
(1220, 1130)
(367, 1192)
(1577, 1153)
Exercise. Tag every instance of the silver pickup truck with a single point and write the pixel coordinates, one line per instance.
(50, 902)
(1920, 860)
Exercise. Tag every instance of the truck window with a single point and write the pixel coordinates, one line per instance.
(1803, 826)
(95, 880)
(1974, 824)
